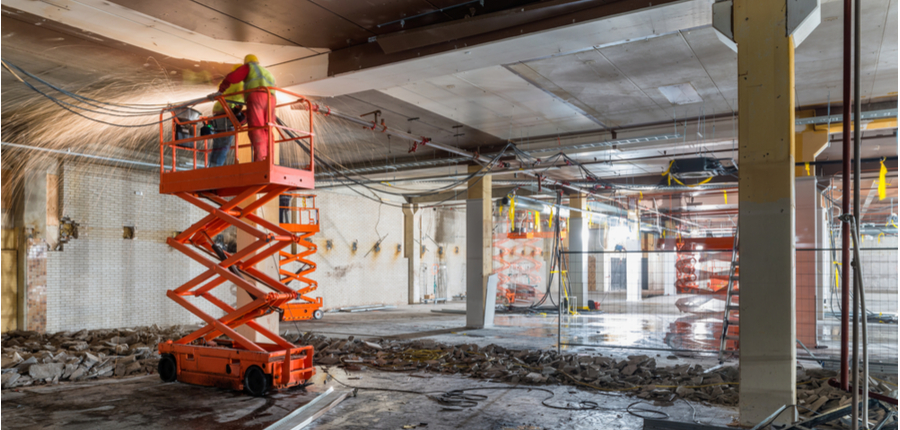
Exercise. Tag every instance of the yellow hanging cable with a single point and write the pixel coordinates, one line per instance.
(837, 275)
(667, 172)
(512, 209)
(691, 185)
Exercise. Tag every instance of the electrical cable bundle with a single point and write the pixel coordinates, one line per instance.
(95, 106)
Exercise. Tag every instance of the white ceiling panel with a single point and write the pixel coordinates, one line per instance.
(496, 101)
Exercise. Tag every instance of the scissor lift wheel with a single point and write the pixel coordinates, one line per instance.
(167, 368)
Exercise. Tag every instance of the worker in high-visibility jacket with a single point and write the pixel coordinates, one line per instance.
(220, 146)
(259, 110)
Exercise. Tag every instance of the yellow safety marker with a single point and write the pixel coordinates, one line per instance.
(725, 196)
(807, 168)
(882, 184)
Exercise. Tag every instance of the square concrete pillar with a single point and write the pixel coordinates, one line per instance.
(269, 266)
(411, 251)
(578, 239)
(479, 265)
(808, 280)
(767, 215)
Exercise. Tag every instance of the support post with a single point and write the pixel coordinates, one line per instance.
(766, 139)
(269, 266)
(578, 240)
(479, 229)
(411, 252)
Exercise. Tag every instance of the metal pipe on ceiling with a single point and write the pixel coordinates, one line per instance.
(80, 155)
(327, 111)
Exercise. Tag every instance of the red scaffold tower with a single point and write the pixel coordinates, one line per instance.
(217, 354)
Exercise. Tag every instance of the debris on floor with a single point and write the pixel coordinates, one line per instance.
(33, 358)
(30, 358)
(638, 375)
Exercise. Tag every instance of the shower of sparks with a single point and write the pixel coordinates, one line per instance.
(33, 120)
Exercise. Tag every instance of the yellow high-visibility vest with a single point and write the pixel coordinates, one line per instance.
(234, 88)
(257, 77)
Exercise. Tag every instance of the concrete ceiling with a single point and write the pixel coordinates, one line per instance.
(495, 101)
(619, 86)
(545, 70)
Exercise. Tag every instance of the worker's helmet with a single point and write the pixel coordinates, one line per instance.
(250, 58)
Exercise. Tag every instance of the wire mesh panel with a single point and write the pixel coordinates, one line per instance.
(657, 300)
(819, 290)
(675, 301)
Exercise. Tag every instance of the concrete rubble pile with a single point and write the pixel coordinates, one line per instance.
(31, 358)
(638, 375)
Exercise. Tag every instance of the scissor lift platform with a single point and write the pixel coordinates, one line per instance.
(216, 354)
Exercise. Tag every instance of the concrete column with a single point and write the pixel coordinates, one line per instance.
(269, 266)
(411, 252)
(766, 139)
(633, 259)
(578, 240)
(808, 284)
(37, 221)
(479, 228)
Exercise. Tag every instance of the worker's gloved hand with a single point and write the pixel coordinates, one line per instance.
(214, 95)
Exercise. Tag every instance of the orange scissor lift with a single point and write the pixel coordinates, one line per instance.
(303, 222)
(216, 354)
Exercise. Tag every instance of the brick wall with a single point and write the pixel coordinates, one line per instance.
(347, 277)
(101, 280)
(443, 227)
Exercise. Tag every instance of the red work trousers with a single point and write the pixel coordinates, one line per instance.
(259, 114)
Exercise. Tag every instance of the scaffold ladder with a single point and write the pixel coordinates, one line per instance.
(731, 318)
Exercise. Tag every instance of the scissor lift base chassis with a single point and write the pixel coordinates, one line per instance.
(224, 367)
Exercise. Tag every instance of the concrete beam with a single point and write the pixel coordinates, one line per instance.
(368, 66)
(767, 212)
(456, 195)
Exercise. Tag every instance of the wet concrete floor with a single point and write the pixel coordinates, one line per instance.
(506, 406)
(148, 403)
(145, 402)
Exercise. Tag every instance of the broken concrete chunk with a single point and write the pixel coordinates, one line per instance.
(9, 379)
(46, 371)
(23, 366)
(11, 360)
(75, 345)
